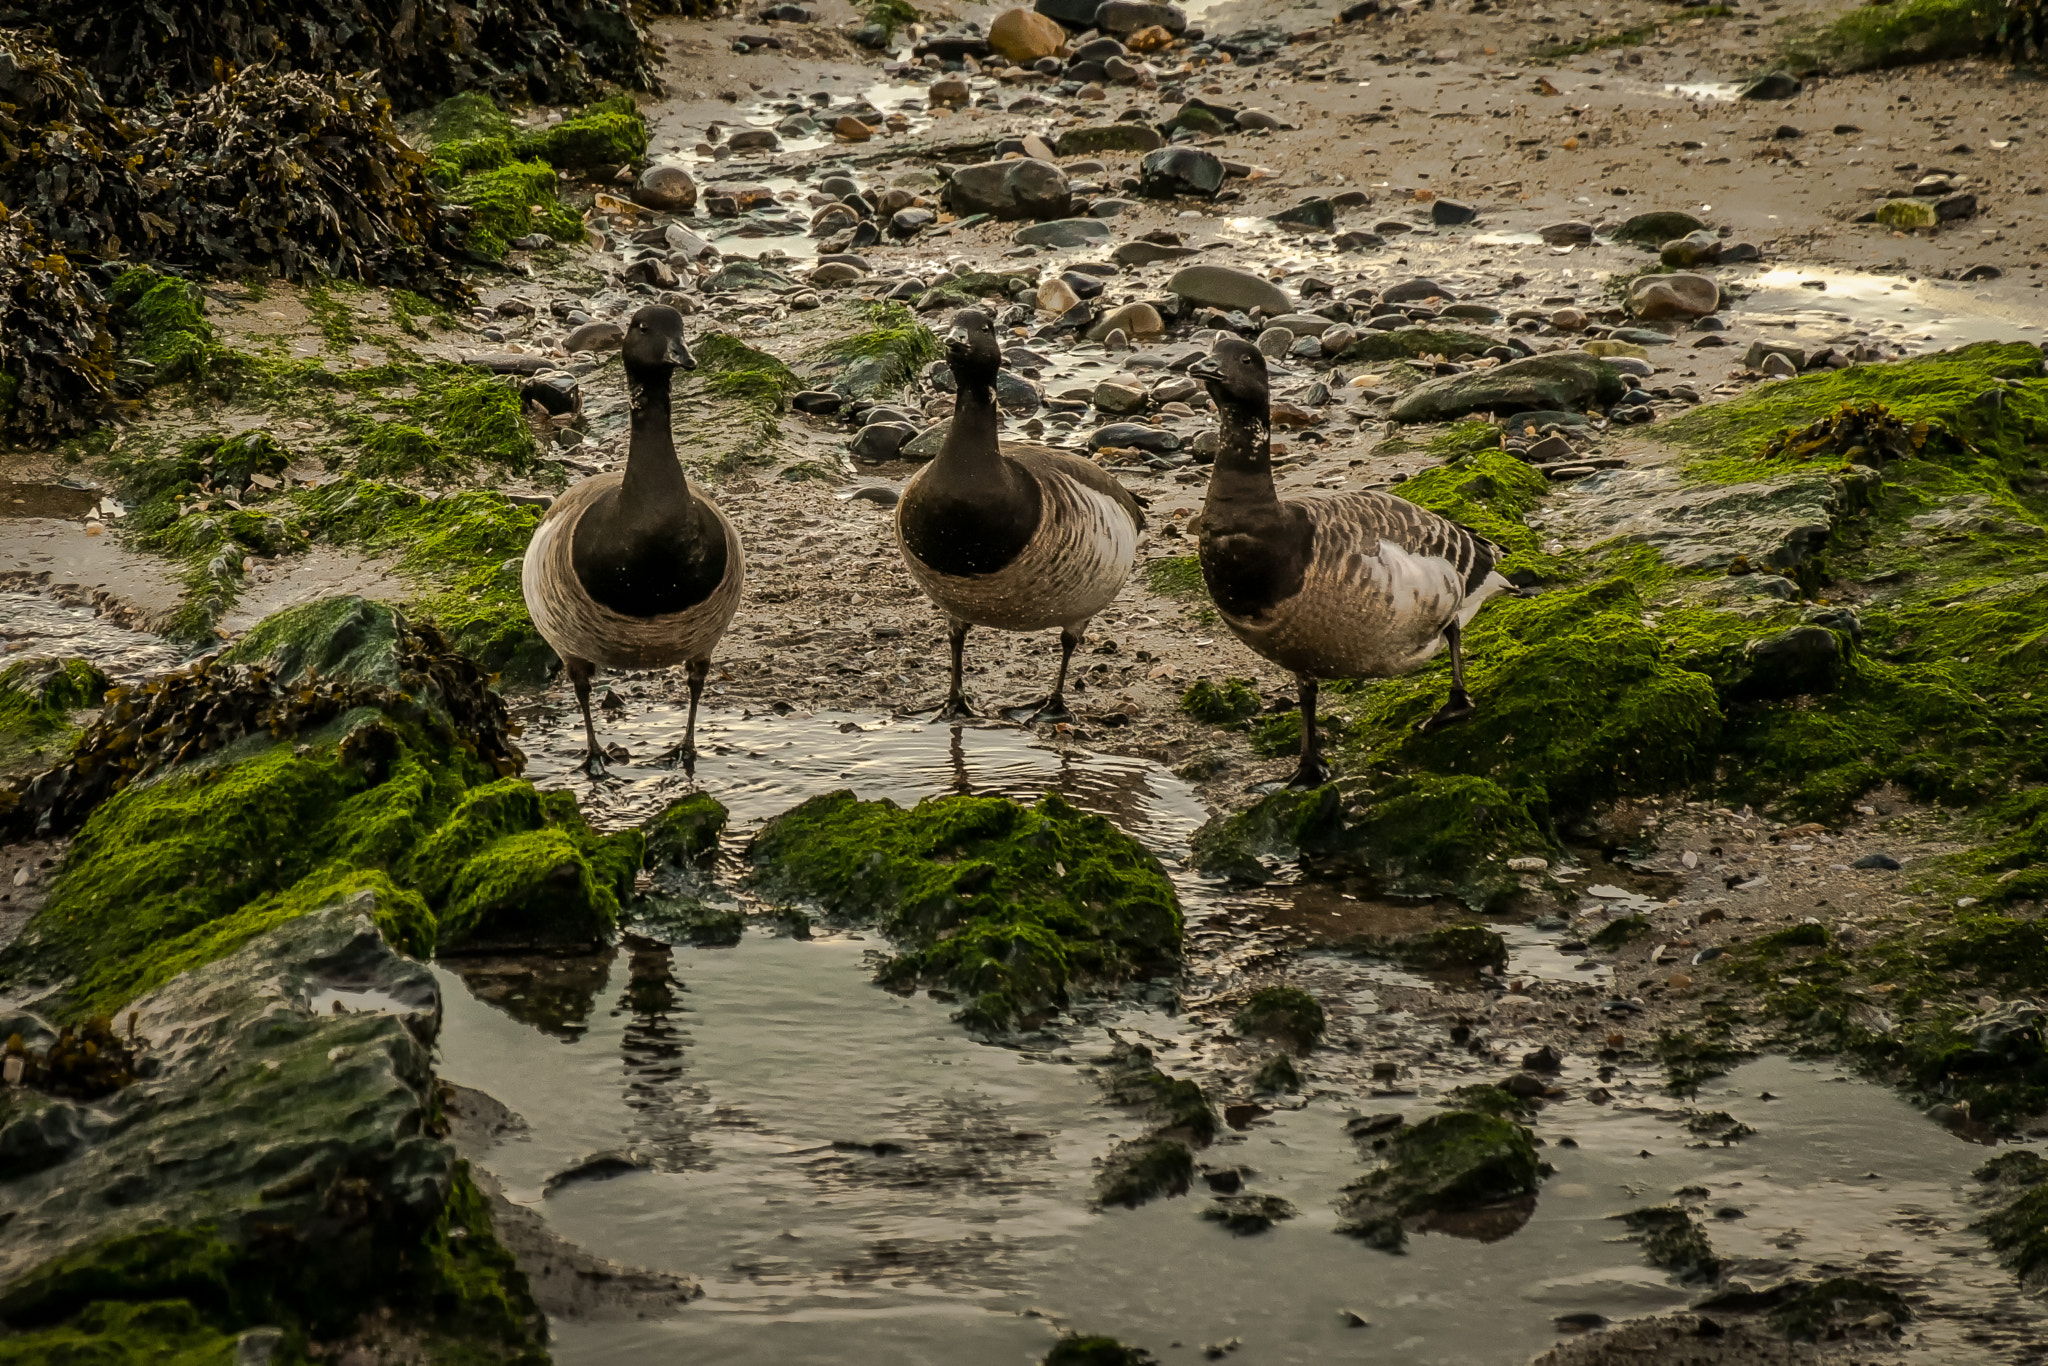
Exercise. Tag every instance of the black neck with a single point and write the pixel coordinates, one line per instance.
(971, 447)
(654, 487)
(1244, 460)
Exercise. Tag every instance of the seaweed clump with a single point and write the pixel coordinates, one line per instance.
(544, 51)
(2018, 1228)
(1012, 904)
(1673, 1239)
(56, 352)
(1161, 1162)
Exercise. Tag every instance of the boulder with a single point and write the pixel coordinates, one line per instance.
(1652, 297)
(1228, 288)
(668, 189)
(1173, 171)
(1020, 188)
(1023, 36)
(1558, 380)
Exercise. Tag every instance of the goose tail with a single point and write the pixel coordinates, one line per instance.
(1490, 587)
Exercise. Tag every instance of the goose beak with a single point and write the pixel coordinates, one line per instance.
(1206, 368)
(679, 355)
(958, 338)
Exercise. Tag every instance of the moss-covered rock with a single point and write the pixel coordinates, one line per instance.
(1145, 1170)
(687, 920)
(275, 1171)
(37, 697)
(602, 136)
(1010, 903)
(511, 201)
(1410, 836)
(267, 800)
(344, 637)
(685, 835)
(1287, 1015)
(1461, 1160)
(1619, 934)
(1561, 380)
(1277, 1073)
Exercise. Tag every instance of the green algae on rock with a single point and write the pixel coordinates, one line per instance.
(1286, 1015)
(277, 1173)
(1812, 1313)
(686, 833)
(37, 697)
(1449, 949)
(1013, 904)
(2017, 1228)
(510, 201)
(1233, 700)
(1447, 1164)
(1409, 836)
(1412, 343)
(268, 798)
(1278, 1073)
(1161, 1162)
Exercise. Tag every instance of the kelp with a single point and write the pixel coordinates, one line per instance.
(64, 158)
(546, 51)
(56, 352)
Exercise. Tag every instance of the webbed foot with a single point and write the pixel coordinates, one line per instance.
(683, 756)
(1458, 708)
(1311, 773)
(956, 709)
(1052, 709)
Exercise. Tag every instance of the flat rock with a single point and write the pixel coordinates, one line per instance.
(1143, 253)
(1108, 137)
(1560, 379)
(1063, 232)
(1416, 290)
(1227, 287)
(1134, 434)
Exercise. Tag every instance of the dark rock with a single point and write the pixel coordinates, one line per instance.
(746, 275)
(1955, 207)
(1653, 229)
(1063, 232)
(1109, 137)
(820, 402)
(556, 391)
(1358, 241)
(1318, 214)
(1134, 434)
(1129, 16)
(1415, 291)
(599, 336)
(1880, 862)
(1172, 171)
(1792, 663)
(881, 440)
(1020, 188)
(1451, 212)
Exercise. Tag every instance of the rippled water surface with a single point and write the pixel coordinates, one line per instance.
(854, 1180)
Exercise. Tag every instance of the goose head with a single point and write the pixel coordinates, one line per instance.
(1235, 374)
(654, 342)
(972, 351)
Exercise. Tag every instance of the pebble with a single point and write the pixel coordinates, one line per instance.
(1276, 342)
(1116, 340)
(1133, 320)
(1114, 396)
(598, 336)
(1056, 296)
(1674, 296)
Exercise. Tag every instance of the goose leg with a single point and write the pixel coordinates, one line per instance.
(1460, 704)
(1313, 772)
(581, 671)
(686, 753)
(1054, 707)
(956, 698)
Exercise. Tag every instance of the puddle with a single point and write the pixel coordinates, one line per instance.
(854, 1180)
(1923, 315)
(46, 500)
(35, 624)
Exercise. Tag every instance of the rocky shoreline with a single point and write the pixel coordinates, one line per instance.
(1759, 750)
